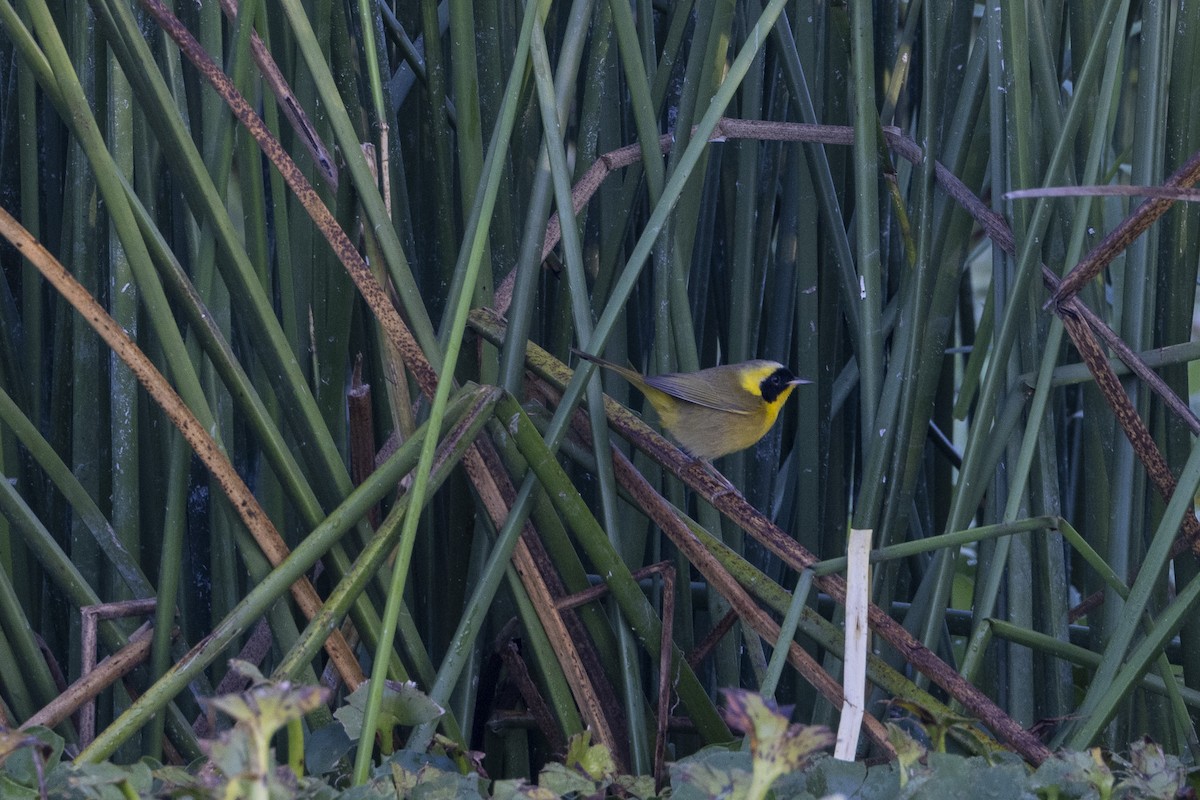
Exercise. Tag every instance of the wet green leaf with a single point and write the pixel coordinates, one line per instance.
(25, 753)
(325, 747)
(1151, 773)
(402, 704)
(517, 788)
(593, 760)
(563, 780)
(700, 779)
(909, 751)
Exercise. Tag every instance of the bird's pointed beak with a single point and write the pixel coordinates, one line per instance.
(798, 382)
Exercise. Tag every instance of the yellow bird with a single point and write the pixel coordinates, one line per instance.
(715, 411)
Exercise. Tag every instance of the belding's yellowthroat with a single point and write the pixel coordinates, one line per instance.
(715, 411)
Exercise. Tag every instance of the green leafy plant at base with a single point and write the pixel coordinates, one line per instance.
(777, 748)
(777, 760)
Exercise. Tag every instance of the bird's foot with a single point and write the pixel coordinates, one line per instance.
(726, 486)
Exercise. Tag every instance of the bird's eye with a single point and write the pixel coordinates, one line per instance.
(773, 385)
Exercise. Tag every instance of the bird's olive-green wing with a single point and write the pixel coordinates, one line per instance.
(719, 388)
